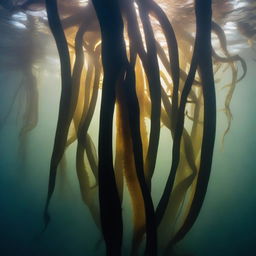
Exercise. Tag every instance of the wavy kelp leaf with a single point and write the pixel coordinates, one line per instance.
(77, 72)
(92, 155)
(130, 171)
(87, 115)
(144, 105)
(230, 60)
(228, 99)
(89, 193)
(223, 42)
(119, 156)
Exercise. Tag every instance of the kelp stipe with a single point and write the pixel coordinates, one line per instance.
(65, 114)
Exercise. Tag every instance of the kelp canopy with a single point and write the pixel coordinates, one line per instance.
(150, 64)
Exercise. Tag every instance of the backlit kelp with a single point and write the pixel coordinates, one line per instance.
(149, 64)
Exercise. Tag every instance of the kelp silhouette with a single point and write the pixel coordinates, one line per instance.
(151, 69)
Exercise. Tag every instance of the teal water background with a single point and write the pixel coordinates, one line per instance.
(226, 225)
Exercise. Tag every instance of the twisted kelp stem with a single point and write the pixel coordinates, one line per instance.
(173, 55)
(64, 117)
(133, 106)
(177, 139)
(203, 19)
(115, 64)
(84, 136)
(111, 25)
(154, 89)
(204, 62)
(150, 65)
(79, 63)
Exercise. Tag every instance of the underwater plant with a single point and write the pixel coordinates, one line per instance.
(147, 69)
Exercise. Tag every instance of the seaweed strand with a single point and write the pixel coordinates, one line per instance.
(154, 88)
(113, 62)
(64, 117)
(203, 19)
